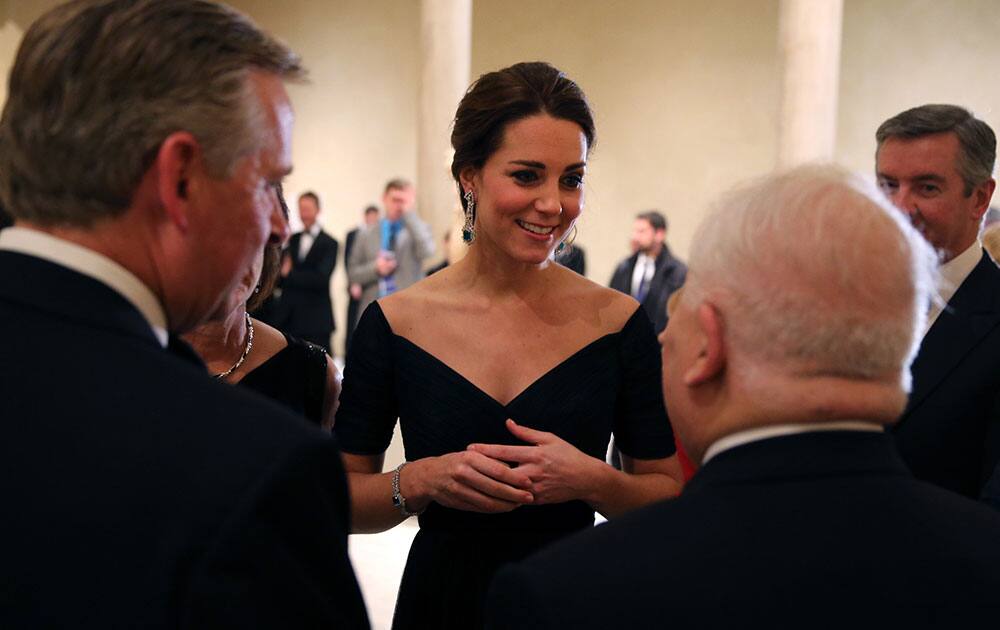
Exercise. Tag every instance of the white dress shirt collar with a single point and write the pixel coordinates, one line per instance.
(951, 275)
(762, 433)
(645, 267)
(307, 239)
(92, 264)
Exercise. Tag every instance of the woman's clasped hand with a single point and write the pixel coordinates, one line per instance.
(556, 470)
(469, 480)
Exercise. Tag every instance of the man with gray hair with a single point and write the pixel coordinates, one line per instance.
(935, 163)
(784, 358)
(141, 146)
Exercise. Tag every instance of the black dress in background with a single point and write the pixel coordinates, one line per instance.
(611, 384)
(295, 377)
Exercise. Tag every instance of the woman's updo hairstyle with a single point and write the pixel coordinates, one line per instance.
(499, 98)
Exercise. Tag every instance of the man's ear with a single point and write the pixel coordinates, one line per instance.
(983, 194)
(711, 360)
(175, 164)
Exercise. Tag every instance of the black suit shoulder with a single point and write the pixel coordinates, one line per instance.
(349, 245)
(621, 279)
(138, 475)
(766, 547)
(326, 238)
(950, 432)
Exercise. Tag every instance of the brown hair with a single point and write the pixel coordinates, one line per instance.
(397, 184)
(655, 218)
(499, 98)
(309, 195)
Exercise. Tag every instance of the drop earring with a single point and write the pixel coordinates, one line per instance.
(469, 227)
(563, 244)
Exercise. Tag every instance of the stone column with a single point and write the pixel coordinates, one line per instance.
(446, 57)
(809, 44)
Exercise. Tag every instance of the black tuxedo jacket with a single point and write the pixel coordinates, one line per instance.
(349, 244)
(305, 291)
(138, 492)
(352, 304)
(949, 434)
(668, 276)
(804, 531)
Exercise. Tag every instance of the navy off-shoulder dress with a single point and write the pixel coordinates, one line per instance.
(611, 385)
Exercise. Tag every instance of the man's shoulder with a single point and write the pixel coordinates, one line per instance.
(628, 261)
(982, 283)
(625, 264)
(673, 262)
(627, 540)
(373, 231)
(753, 539)
(132, 389)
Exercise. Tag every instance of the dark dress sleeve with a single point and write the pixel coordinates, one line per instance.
(642, 429)
(314, 357)
(368, 404)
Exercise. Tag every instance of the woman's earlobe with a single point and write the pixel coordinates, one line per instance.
(466, 178)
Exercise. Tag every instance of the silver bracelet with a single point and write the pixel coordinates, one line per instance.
(398, 501)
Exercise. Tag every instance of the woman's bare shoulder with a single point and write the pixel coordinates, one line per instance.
(407, 308)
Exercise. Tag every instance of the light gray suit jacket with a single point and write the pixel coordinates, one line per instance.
(414, 244)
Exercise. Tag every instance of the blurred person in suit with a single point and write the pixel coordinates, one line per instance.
(389, 255)
(139, 492)
(446, 239)
(652, 273)
(784, 358)
(935, 162)
(369, 217)
(306, 266)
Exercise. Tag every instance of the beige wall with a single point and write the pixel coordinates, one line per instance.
(902, 53)
(356, 118)
(15, 17)
(685, 96)
(685, 93)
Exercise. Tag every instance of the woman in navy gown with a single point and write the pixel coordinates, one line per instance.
(508, 372)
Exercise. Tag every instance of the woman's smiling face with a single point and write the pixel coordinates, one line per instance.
(529, 193)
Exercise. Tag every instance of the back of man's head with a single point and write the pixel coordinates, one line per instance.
(98, 85)
(816, 276)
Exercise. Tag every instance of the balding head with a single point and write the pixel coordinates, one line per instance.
(821, 276)
(809, 277)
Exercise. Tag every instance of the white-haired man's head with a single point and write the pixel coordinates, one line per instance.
(805, 277)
